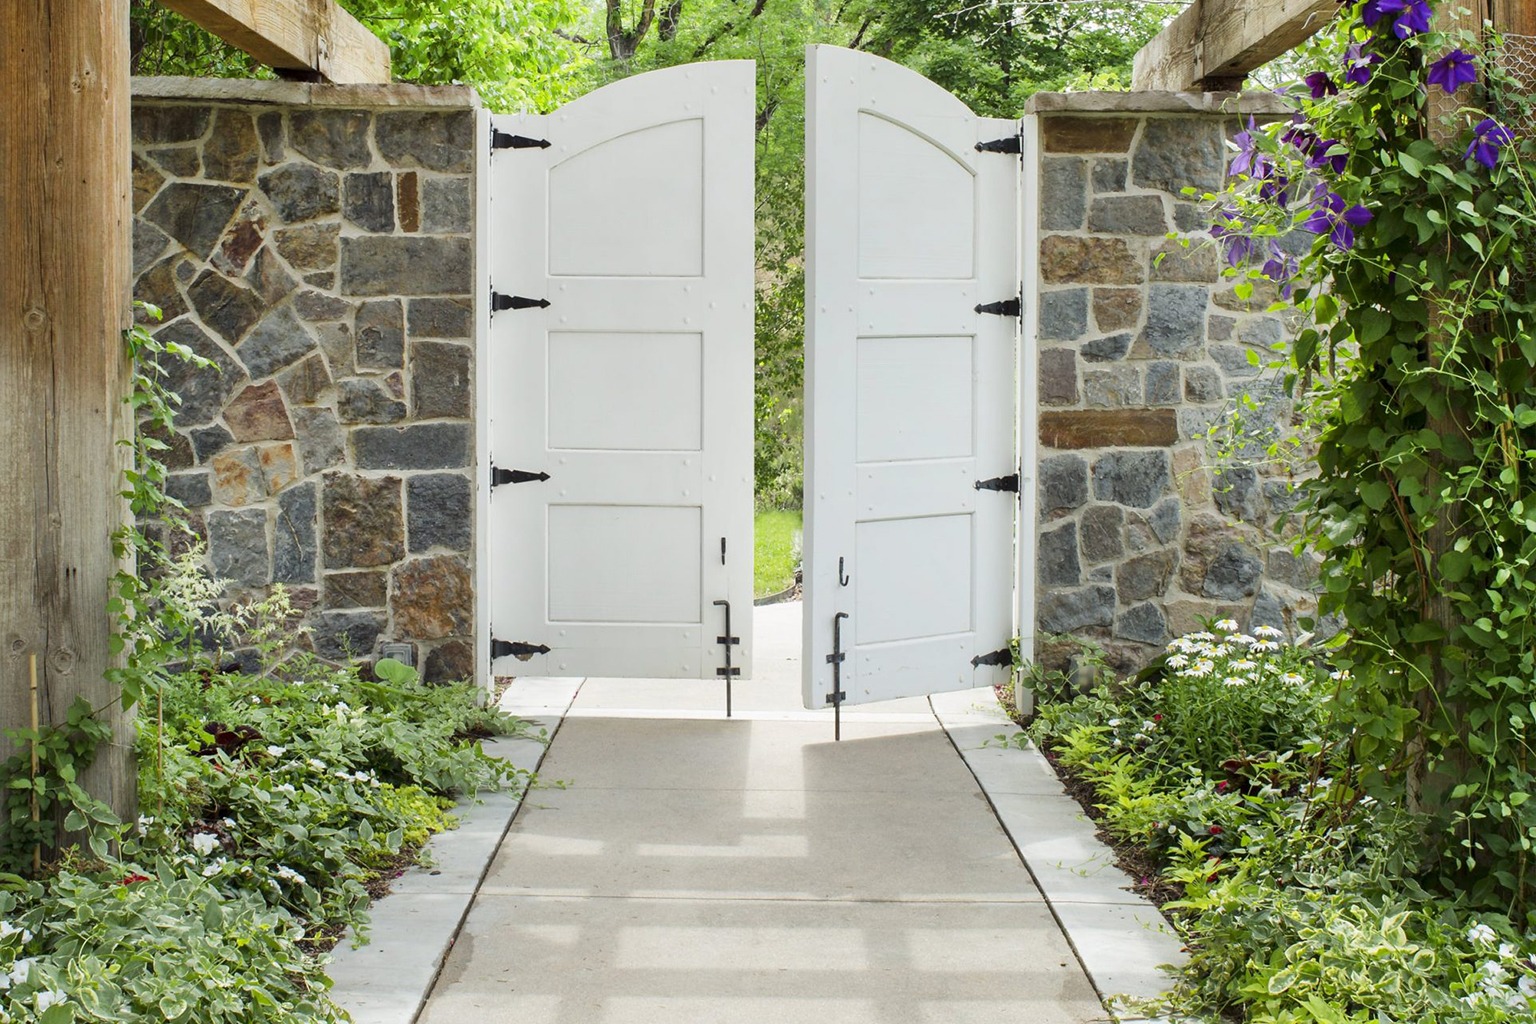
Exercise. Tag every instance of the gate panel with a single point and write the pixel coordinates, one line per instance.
(632, 387)
(910, 390)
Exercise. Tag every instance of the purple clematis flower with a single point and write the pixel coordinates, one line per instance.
(1321, 85)
(1358, 64)
(1410, 16)
(1454, 70)
(1487, 139)
(1249, 160)
(1330, 216)
(1374, 10)
(1320, 157)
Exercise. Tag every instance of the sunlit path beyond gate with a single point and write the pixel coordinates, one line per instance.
(697, 869)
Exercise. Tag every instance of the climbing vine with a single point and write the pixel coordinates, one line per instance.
(1396, 208)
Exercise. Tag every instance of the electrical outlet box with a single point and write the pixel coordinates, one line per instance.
(403, 653)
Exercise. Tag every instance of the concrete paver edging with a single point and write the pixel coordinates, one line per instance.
(411, 931)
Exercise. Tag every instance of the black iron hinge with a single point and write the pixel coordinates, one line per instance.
(1007, 307)
(1012, 144)
(500, 302)
(502, 140)
(1000, 483)
(997, 658)
(520, 649)
(515, 476)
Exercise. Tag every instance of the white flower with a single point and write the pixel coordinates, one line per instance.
(1244, 665)
(284, 787)
(1242, 640)
(1227, 625)
(342, 707)
(1527, 986)
(1203, 636)
(1114, 723)
(1340, 676)
(48, 997)
(204, 842)
(1506, 950)
(287, 874)
(214, 868)
(255, 699)
(1149, 726)
(19, 972)
(1265, 645)
(1235, 681)
(1203, 667)
(318, 765)
(1481, 934)
(277, 751)
(1177, 661)
(1294, 678)
(1268, 632)
(7, 930)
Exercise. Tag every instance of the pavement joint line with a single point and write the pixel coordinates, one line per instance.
(354, 971)
(1097, 965)
(842, 901)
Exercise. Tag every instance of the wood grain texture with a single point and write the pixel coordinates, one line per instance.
(64, 302)
(295, 35)
(1215, 43)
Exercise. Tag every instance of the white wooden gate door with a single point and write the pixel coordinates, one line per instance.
(621, 363)
(911, 472)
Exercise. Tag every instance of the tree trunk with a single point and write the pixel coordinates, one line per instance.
(65, 224)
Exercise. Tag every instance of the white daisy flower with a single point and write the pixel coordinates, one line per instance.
(1267, 632)
(1235, 681)
(1227, 625)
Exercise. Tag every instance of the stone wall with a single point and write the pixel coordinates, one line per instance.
(317, 244)
(1143, 347)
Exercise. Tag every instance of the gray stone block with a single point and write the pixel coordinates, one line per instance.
(1235, 360)
(1143, 623)
(1063, 611)
(1234, 573)
(1056, 561)
(232, 150)
(191, 489)
(1102, 533)
(154, 123)
(422, 446)
(273, 137)
(1267, 611)
(365, 400)
(440, 384)
(294, 546)
(1063, 314)
(1109, 174)
(1063, 193)
(1163, 383)
(406, 265)
(229, 308)
(1146, 576)
(238, 549)
(439, 512)
(380, 333)
(1175, 319)
(278, 341)
(339, 635)
(1128, 215)
(318, 306)
(1138, 479)
(1108, 349)
(1293, 570)
(149, 244)
(1237, 494)
(434, 140)
(1058, 377)
(1063, 483)
(1202, 384)
(321, 445)
(194, 213)
(1176, 153)
(368, 200)
(1166, 520)
(441, 318)
(446, 206)
(335, 138)
(209, 441)
(301, 192)
(1112, 389)
(203, 392)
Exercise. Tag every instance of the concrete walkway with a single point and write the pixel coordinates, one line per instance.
(680, 868)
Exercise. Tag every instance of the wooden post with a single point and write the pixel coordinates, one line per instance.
(65, 224)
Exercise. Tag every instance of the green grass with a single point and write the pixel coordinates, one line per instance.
(776, 551)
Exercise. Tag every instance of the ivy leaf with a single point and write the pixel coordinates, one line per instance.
(1375, 494)
(1411, 164)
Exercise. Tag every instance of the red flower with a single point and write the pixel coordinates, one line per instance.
(134, 879)
(1223, 786)
(1157, 717)
(1217, 830)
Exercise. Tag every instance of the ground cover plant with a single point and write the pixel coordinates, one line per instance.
(277, 794)
(1229, 771)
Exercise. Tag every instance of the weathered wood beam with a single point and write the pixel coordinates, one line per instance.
(1214, 44)
(66, 223)
(295, 35)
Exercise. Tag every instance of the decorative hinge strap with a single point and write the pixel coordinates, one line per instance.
(500, 302)
(1012, 144)
(1007, 307)
(502, 140)
(519, 649)
(515, 476)
(1000, 483)
(997, 658)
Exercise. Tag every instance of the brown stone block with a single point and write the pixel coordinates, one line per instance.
(1089, 134)
(1117, 309)
(364, 521)
(1191, 264)
(408, 201)
(1109, 428)
(279, 466)
(362, 589)
(1058, 377)
(312, 247)
(237, 478)
(1069, 259)
(1191, 478)
(432, 598)
(259, 414)
(453, 662)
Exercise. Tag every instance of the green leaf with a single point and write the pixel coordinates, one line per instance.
(1411, 164)
(1375, 494)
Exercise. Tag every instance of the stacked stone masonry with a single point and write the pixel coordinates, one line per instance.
(321, 255)
(1144, 348)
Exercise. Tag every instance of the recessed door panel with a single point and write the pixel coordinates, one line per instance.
(624, 563)
(629, 391)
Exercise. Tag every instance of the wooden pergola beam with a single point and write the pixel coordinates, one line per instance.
(295, 35)
(1214, 44)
